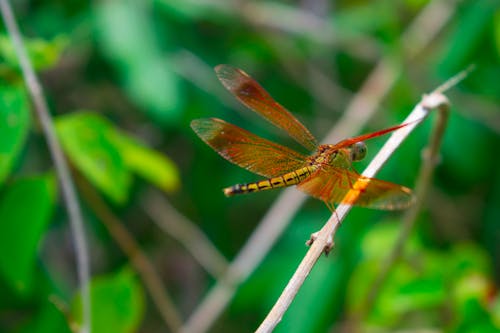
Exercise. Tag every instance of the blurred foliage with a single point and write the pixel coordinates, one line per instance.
(117, 302)
(124, 79)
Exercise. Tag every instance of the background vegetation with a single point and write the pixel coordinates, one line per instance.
(125, 78)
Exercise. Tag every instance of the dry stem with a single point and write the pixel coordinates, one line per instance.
(67, 187)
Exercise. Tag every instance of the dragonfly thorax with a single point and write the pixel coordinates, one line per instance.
(343, 157)
(330, 155)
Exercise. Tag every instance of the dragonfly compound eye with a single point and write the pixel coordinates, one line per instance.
(358, 151)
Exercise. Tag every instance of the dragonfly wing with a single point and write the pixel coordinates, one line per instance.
(247, 150)
(251, 94)
(335, 185)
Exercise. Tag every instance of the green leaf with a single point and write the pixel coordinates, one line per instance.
(48, 319)
(470, 28)
(191, 10)
(153, 166)
(107, 157)
(128, 38)
(25, 208)
(43, 54)
(88, 141)
(14, 125)
(117, 303)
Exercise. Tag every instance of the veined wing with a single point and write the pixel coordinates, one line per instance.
(247, 150)
(251, 94)
(336, 185)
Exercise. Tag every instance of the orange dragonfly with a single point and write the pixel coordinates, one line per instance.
(327, 174)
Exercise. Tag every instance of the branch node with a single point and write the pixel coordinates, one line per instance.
(328, 244)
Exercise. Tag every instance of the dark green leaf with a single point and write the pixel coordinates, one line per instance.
(25, 208)
(129, 40)
(14, 125)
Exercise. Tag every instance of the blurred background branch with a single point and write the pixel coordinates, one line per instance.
(69, 195)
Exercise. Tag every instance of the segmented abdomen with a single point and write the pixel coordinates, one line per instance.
(288, 179)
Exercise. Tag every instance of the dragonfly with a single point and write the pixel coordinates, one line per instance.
(326, 173)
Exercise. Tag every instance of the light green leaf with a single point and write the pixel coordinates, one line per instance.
(14, 125)
(25, 208)
(88, 141)
(153, 166)
(470, 30)
(108, 157)
(117, 303)
(42, 53)
(128, 38)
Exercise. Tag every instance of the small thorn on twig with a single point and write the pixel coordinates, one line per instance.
(328, 245)
(311, 239)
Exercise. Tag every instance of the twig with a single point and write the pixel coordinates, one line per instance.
(139, 260)
(435, 100)
(61, 167)
(323, 238)
(187, 233)
(430, 157)
(431, 19)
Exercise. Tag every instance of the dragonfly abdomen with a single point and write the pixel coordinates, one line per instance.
(288, 179)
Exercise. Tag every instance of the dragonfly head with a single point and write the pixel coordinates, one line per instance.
(358, 151)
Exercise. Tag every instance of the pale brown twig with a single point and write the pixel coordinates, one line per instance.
(323, 238)
(67, 187)
(187, 233)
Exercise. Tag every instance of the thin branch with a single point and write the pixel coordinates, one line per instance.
(430, 20)
(186, 232)
(61, 167)
(323, 239)
(139, 260)
(435, 100)
(430, 157)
